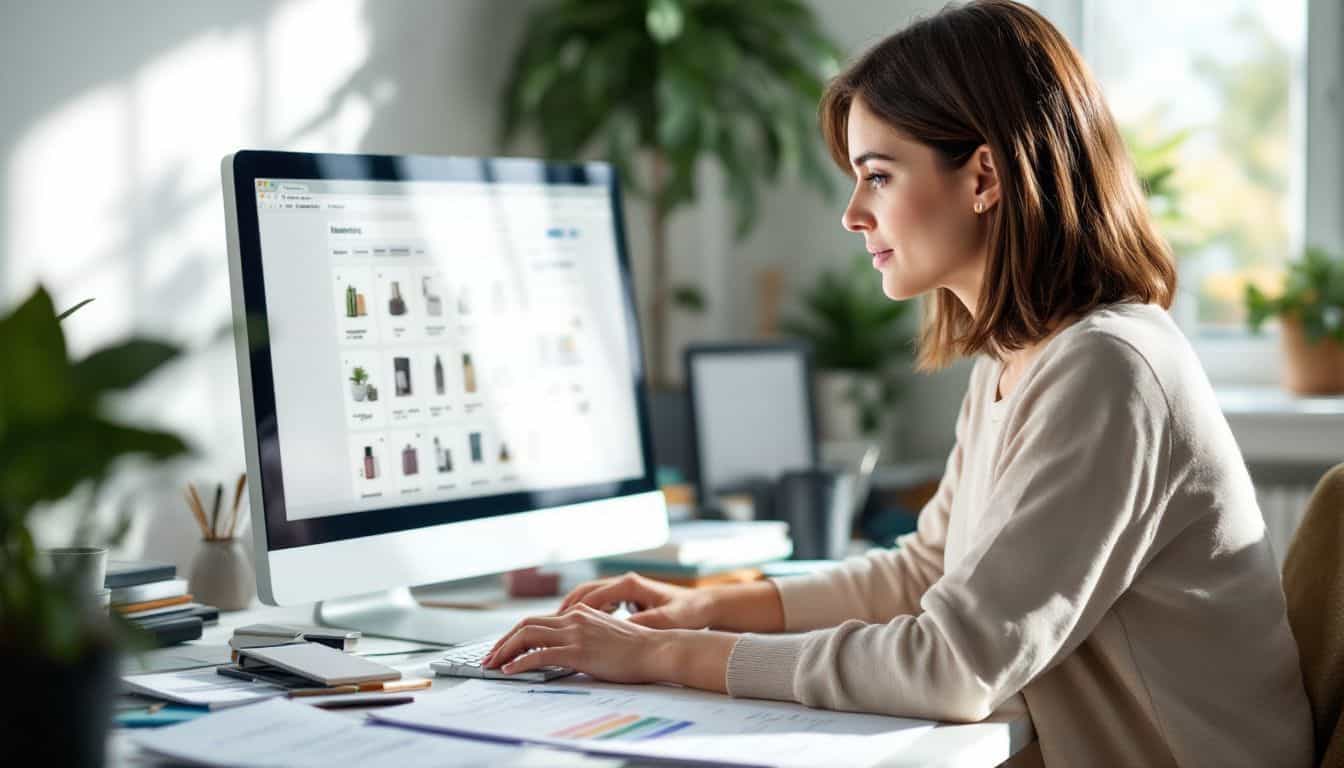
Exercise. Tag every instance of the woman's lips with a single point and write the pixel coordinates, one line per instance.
(881, 257)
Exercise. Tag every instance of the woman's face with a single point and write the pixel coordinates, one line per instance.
(917, 218)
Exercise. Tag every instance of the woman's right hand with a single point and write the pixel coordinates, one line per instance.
(653, 604)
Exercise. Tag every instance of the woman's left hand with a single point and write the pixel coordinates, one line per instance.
(608, 648)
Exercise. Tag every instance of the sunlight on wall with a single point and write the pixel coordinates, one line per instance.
(67, 193)
(312, 49)
(116, 195)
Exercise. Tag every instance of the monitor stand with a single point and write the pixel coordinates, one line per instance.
(397, 614)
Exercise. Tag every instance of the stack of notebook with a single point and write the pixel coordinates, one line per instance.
(705, 552)
(150, 596)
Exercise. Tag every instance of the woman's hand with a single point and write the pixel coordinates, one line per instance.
(656, 605)
(592, 641)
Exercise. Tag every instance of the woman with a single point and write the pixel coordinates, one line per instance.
(1095, 542)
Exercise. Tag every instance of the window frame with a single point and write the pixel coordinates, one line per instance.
(1246, 359)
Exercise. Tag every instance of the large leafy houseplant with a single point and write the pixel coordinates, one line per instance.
(1310, 309)
(661, 84)
(854, 329)
(57, 439)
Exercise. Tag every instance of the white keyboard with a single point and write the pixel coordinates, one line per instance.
(465, 661)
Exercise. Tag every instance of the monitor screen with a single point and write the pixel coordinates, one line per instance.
(444, 340)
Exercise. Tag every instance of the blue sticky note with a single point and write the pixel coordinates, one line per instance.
(169, 715)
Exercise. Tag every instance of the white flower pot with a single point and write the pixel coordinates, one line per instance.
(838, 408)
(359, 391)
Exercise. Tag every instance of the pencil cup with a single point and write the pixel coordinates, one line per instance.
(81, 570)
(221, 575)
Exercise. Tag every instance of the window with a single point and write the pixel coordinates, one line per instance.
(1211, 98)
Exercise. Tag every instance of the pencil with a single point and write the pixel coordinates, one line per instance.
(237, 497)
(200, 508)
(397, 686)
(298, 693)
(196, 513)
(214, 513)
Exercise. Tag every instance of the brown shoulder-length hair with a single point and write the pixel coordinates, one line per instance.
(1071, 230)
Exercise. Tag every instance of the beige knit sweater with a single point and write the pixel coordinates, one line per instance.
(1095, 544)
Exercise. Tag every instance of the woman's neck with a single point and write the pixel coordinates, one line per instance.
(1016, 363)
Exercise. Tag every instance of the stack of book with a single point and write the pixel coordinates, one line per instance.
(701, 553)
(150, 596)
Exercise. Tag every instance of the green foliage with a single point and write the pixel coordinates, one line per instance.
(850, 323)
(54, 439)
(689, 297)
(1313, 294)
(852, 326)
(1155, 163)
(736, 80)
(358, 375)
(660, 85)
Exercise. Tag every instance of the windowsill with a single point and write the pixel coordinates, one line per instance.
(1277, 427)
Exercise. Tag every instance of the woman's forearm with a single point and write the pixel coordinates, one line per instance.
(696, 658)
(754, 607)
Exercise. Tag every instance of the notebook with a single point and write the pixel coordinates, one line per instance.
(128, 573)
(322, 664)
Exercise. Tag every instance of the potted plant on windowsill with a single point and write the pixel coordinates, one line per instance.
(1310, 310)
(860, 342)
(57, 440)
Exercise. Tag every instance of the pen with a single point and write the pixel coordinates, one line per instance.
(380, 701)
(559, 691)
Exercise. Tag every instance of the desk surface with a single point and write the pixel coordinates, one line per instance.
(977, 745)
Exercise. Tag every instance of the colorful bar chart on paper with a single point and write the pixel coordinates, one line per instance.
(623, 727)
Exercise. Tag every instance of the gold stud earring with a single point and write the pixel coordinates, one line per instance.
(979, 207)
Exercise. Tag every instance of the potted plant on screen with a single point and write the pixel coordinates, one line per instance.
(1310, 310)
(359, 383)
(57, 440)
(657, 86)
(861, 340)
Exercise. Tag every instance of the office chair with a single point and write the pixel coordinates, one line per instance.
(1313, 584)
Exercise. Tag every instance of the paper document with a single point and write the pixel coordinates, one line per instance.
(660, 721)
(175, 657)
(200, 688)
(283, 733)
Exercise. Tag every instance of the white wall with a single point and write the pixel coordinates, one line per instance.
(115, 119)
(116, 116)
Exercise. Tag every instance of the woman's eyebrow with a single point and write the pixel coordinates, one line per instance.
(867, 156)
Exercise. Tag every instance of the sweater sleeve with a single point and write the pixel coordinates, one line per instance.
(884, 583)
(1074, 504)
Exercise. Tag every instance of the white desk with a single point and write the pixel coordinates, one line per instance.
(978, 745)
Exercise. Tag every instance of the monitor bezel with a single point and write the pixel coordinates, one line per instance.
(257, 377)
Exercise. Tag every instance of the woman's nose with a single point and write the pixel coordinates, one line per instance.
(855, 218)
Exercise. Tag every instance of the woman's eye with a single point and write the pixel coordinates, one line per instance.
(876, 180)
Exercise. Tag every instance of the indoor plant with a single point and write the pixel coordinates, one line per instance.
(860, 341)
(662, 84)
(1311, 318)
(57, 440)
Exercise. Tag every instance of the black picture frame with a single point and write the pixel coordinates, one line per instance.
(701, 350)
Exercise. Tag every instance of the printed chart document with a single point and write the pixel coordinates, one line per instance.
(282, 733)
(660, 721)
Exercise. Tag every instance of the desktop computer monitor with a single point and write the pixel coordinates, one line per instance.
(440, 373)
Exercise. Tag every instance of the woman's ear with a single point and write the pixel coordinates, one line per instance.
(986, 179)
